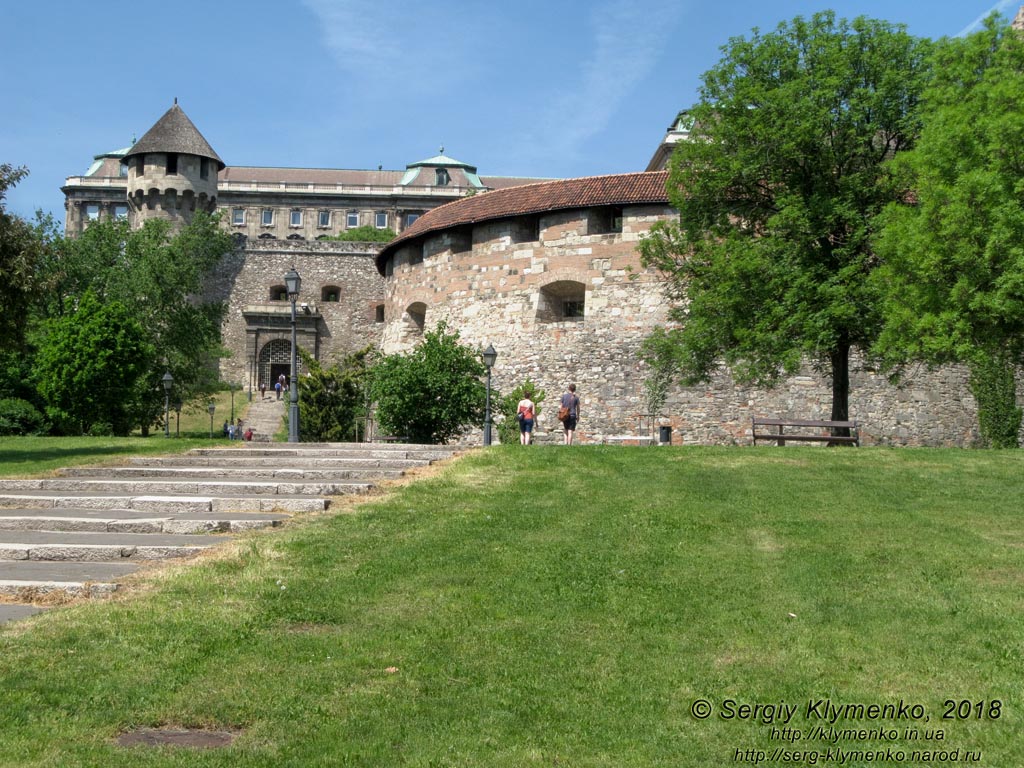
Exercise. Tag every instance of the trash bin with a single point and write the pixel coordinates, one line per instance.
(665, 435)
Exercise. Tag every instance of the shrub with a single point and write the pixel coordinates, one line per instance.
(433, 393)
(20, 417)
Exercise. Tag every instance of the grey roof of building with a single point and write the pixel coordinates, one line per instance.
(174, 132)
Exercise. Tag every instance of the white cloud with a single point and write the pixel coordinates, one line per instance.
(385, 44)
(626, 40)
(999, 7)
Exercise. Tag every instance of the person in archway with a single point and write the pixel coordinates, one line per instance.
(571, 402)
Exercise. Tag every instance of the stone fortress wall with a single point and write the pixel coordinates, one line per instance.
(502, 281)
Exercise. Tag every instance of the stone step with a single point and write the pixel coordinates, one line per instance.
(197, 486)
(290, 474)
(131, 521)
(100, 547)
(424, 453)
(168, 504)
(254, 461)
(27, 580)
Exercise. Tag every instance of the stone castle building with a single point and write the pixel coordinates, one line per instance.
(545, 270)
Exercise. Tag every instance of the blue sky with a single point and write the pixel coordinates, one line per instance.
(554, 88)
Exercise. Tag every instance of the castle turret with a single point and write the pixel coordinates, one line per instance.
(172, 171)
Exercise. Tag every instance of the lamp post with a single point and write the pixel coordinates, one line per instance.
(252, 359)
(168, 381)
(292, 282)
(489, 356)
(211, 408)
(177, 418)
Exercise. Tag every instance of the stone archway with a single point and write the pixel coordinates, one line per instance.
(275, 359)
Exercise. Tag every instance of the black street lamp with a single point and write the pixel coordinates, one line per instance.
(252, 359)
(489, 356)
(211, 408)
(177, 418)
(168, 381)
(292, 282)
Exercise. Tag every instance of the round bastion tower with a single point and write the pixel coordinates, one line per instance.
(172, 172)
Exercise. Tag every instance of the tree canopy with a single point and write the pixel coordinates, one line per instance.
(157, 275)
(778, 188)
(953, 252)
(93, 368)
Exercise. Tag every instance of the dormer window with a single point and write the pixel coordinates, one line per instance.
(441, 178)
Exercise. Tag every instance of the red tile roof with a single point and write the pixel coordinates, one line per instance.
(587, 192)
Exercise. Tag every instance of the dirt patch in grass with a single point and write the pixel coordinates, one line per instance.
(176, 737)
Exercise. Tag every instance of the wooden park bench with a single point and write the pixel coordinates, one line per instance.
(762, 430)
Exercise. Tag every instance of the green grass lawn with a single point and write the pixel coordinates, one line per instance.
(20, 456)
(567, 607)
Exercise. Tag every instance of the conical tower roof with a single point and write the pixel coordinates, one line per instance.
(174, 132)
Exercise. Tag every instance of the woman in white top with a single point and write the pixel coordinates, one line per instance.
(525, 414)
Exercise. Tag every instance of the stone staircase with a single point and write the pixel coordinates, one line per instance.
(265, 417)
(79, 532)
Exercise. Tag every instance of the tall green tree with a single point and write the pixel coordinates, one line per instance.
(93, 369)
(158, 276)
(778, 188)
(334, 398)
(23, 247)
(432, 393)
(953, 253)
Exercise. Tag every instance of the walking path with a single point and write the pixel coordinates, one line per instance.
(265, 417)
(79, 532)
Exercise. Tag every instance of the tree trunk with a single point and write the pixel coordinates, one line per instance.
(840, 358)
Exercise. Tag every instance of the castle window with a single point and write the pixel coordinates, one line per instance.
(572, 310)
(204, 167)
(462, 240)
(92, 211)
(268, 217)
(238, 216)
(378, 313)
(324, 219)
(562, 301)
(381, 220)
(417, 317)
(296, 218)
(604, 221)
(266, 236)
(120, 212)
(330, 293)
(389, 267)
(526, 229)
(278, 293)
(122, 171)
(352, 219)
(410, 218)
(172, 164)
(295, 236)
(441, 177)
(140, 166)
